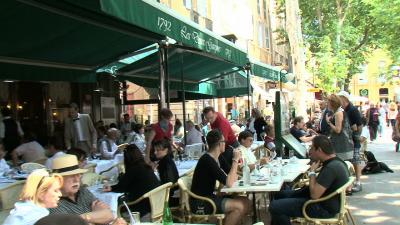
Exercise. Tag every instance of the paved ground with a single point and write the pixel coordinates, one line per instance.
(379, 202)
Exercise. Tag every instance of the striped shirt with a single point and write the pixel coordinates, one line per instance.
(83, 204)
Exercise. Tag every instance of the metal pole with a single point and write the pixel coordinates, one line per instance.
(183, 99)
(167, 78)
(161, 52)
(247, 68)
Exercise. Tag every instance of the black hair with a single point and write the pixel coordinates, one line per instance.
(163, 143)
(213, 138)
(165, 114)
(208, 109)
(133, 157)
(73, 105)
(113, 125)
(244, 134)
(61, 219)
(55, 142)
(323, 142)
(79, 153)
(297, 120)
(137, 127)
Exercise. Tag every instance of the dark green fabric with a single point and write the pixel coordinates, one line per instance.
(265, 71)
(35, 34)
(156, 17)
(195, 67)
(38, 73)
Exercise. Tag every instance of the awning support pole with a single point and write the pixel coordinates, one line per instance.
(183, 99)
(167, 77)
(161, 52)
(247, 68)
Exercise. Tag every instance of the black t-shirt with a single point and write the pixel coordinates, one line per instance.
(205, 175)
(297, 133)
(168, 172)
(354, 117)
(333, 175)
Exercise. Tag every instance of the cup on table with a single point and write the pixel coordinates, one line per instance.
(291, 154)
(136, 217)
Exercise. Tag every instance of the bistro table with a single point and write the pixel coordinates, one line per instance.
(263, 183)
(110, 198)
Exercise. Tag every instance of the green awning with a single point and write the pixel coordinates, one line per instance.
(195, 66)
(265, 71)
(232, 85)
(158, 18)
(38, 73)
(67, 34)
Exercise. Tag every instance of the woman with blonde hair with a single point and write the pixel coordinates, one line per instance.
(40, 192)
(340, 132)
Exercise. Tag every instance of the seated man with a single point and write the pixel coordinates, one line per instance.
(334, 174)
(29, 151)
(107, 146)
(76, 199)
(246, 139)
(54, 148)
(298, 132)
(193, 136)
(206, 174)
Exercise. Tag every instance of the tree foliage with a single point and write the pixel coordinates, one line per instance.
(354, 28)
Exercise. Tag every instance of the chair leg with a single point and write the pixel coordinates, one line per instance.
(351, 218)
(220, 221)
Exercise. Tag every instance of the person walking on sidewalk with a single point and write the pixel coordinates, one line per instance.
(373, 121)
(396, 132)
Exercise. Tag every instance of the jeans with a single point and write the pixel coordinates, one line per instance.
(287, 204)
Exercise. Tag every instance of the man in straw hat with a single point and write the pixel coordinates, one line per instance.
(75, 198)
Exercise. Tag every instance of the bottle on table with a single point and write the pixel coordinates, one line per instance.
(167, 216)
(246, 173)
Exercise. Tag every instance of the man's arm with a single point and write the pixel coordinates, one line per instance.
(232, 176)
(103, 216)
(316, 190)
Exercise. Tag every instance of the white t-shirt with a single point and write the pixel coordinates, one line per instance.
(30, 151)
(247, 155)
(4, 167)
(108, 153)
(364, 134)
(49, 162)
(25, 213)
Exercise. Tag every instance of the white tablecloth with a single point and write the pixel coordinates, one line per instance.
(185, 167)
(102, 165)
(110, 198)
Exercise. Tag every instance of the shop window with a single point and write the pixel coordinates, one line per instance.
(383, 91)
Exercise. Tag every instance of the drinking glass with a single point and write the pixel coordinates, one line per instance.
(136, 217)
(291, 154)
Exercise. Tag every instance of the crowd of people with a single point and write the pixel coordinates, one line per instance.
(338, 132)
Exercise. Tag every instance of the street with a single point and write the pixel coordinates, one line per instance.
(378, 203)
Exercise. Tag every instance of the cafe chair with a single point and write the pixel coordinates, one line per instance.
(31, 166)
(120, 166)
(157, 198)
(90, 178)
(122, 147)
(9, 195)
(41, 161)
(194, 151)
(91, 167)
(340, 218)
(185, 184)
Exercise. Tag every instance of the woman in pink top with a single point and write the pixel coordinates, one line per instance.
(392, 113)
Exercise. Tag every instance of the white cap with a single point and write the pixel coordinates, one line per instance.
(344, 94)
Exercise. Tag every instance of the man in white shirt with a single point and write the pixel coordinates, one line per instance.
(4, 167)
(29, 151)
(79, 131)
(246, 140)
(193, 136)
(108, 146)
(54, 151)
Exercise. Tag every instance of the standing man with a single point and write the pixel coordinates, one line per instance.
(218, 121)
(354, 117)
(373, 121)
(127, 126)
(10, 132)
(333, 175)
(324, 128)
(79, 131)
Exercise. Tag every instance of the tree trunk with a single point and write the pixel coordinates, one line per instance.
(297, 51)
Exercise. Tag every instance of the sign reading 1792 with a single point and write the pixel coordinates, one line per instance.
(194, 37)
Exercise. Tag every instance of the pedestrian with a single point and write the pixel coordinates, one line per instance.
(396, 133)
(373, 121)
(392, 113)
(382, 118)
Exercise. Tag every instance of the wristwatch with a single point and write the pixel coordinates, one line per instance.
(312, 173)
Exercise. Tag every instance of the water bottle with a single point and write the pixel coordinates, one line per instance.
(167, 216)
(246, 174)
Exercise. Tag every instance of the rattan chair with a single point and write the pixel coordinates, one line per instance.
(91, 167)
(185, 183)
(340, 218)
(10, 194)
(157, 198)
(31, 166)
(41, 160)
(120, 166)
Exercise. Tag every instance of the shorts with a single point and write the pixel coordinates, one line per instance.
(356, 156)
(201, 207)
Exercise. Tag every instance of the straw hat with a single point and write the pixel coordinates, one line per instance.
(67, 165)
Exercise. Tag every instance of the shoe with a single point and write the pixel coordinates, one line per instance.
(357, 187)
(349, 193)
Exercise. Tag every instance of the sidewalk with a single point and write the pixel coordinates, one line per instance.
(379, 201)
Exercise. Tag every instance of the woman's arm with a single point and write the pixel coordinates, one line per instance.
(148, 146)
(337, 127)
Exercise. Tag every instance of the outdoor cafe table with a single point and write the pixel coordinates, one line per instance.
(110, 198)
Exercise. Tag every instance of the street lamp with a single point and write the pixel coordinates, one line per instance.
(289, 77)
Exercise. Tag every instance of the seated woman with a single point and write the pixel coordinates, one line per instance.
(4, 167)
(40, 192)
(269, 139)
(246, 139)
(137, 137)
(166, 167)
(138, 179)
